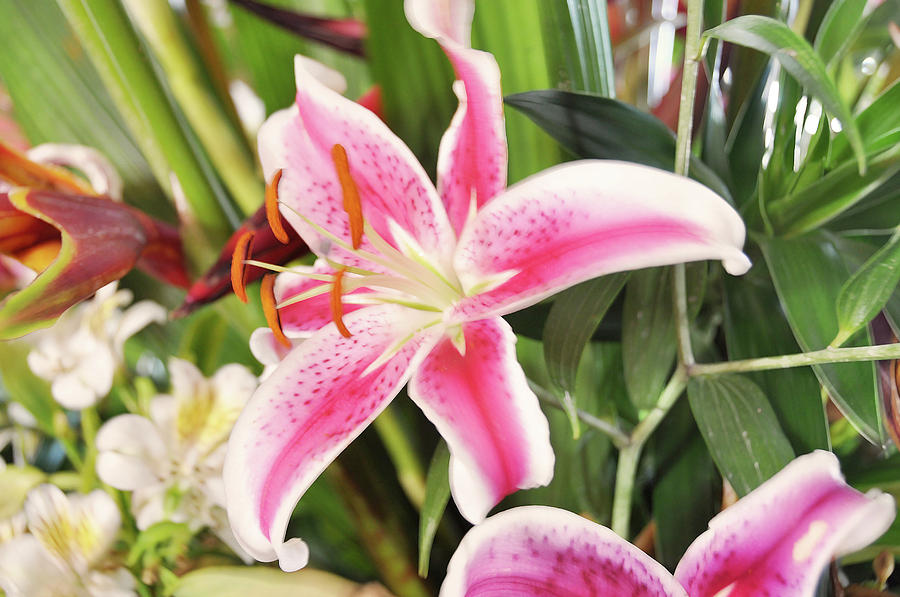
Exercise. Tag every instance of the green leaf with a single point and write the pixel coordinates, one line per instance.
(239, 581)
(58, 96)
(868, 290)
(266, 52)
(17, 481)
(415, 79)
(648, 335)
(740, 429)
(513, 31)
(581, 28)
(755, 326)
(437, 494)
(685, 497)
(596, 127)
(879, 119)
(832, 194)
(808, 273)
(796, 56)
(116, 52)
(25, 387)
(575, 315)
(841, 20)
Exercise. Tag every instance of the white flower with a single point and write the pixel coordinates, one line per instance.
(172, 461)
(63, 552)
(79, 355)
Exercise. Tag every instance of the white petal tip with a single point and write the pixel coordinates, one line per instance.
(737, 264)
(293, 554)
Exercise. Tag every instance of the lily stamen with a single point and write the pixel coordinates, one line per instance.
(337, 307)
(242, 249)
(352, 204)
(270, 310)
(272, 214)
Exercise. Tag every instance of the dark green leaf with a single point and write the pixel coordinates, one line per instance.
(684, 499)
(596, 127)
(437, 494)
(796, 56)
(808, 273)
(648, 335)
(573, 318)
(740, 429)
(755, 326)
(868, 290)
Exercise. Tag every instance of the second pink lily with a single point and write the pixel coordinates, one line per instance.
(412, 282)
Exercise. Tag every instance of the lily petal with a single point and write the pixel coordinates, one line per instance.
(481, 404)
(541, 551)
(472, 159)
(314, 404)
(779, 538)
(585, 219)
(392, 185)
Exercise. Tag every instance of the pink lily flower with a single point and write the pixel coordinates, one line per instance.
(429, 273)
(775, 541)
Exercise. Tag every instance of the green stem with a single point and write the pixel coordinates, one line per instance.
(410, 473)
(626, 472)
(682, 324)
(883, 352)
(631, 453)
(688, 86)
(619, 438)
(226, 148)
(90, 423)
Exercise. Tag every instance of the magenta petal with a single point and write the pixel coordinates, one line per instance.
(548, 552)
(481, 404)
(585, 219)
(473, 157)
(778, 539)
(392, 184)
(318, 399)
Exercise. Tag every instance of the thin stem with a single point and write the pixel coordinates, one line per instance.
(90, 422)
(619, 438)
(682, 324)
(625, 476)
(667, 399)
(688, 86)
(882, 352)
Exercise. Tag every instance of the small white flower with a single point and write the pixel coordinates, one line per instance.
(63, 553)
(172, 461)
(79, 355)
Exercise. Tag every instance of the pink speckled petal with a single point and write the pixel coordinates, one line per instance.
(301, 319)
(314, 404)
(481, 404)
(585, 219)
(548, 552)
(472, 158)
(391, 183)
(779, 538)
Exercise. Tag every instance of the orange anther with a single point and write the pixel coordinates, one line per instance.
(272, 213)
(352, 205)
(238, 267)
(337, 307)
(270, 310)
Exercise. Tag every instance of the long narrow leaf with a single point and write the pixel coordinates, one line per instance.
(798, 58)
